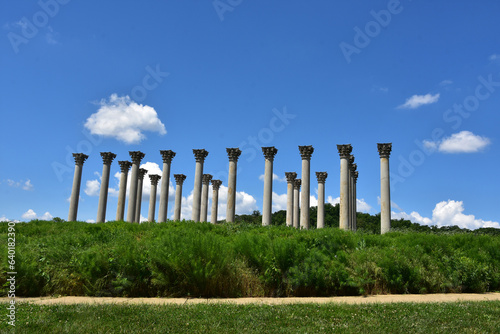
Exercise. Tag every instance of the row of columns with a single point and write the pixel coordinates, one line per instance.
(348, 180)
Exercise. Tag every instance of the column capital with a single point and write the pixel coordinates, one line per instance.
(142, 172)
(306, 152)
(107, 157)
(154, 179)
(80, 158)
(355, 176)
(353, 167)
(384, 149)
(351, 159)
(290, 176)
(269, 152)
(233, 153)
(200, 154)
(321, 176)
(344, 150)
(167, 156)
(125, 166)
(297, 183)
(216, 184)
(205, 179)
(136, 156)
(179, 178)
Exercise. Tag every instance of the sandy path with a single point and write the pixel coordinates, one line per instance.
(431, 298)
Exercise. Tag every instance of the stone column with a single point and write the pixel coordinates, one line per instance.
(233, 155)
(167, 157)
(290, 178)
(77, 180)
(179, 180)
(107, 159)
(204, 196)
(120, 210)
(138, 203)
(344, 152)
(355, 179)
(296, 207)
(306, 153)
(384, 150)
(349, 196)
(352, 196)
(200, 156)
(152, 196)
(321, 176)
(267, 205)
(215, 200)
(136, 157)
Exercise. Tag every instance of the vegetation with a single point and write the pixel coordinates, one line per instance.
(244, 259)
(462, 317)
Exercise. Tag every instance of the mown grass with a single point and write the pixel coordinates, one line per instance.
(178, 259)
(461, 317)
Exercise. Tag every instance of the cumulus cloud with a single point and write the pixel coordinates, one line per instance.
(447, 213)
(30, 215)
(92, 187)
(279, 202)
(461, 142)
(125, 120)
(419, 100)
(361, 204)
(4, 219)
(275, 178)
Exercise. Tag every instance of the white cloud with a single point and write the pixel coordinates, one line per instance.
(361, 205)
(25, 185)
(4, 219)
(275, 178)
(494, 57)
(30, 215)
(279, 202)
(446, 83)
(92, 187)
(51, 36)
(125, 120)
(419, 100)
(461, 142)
(447, 213)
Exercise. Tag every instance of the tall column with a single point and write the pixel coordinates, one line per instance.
(179, 180)
(296, 207)
(384, 150)
(233, 155)
(352, 196)
(138, 203)
(290, 177)
(344, 152)
(200, 156)
(204, 196)
(215, 200)
(167, 157)
(269, 153)
(349, 191)
(120, 209)
(355, 179)
(107, 159)
(321, 176)
(305, 153)
(77, 180)
(136, 157)
(152, 196)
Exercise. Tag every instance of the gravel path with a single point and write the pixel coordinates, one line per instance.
(431, 298)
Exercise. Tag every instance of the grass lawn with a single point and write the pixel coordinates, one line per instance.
(460, 317)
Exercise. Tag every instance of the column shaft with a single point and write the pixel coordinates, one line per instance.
(215, 200)
(200, 156)
(136, 157)
(107, 158)
(204, 197)
(296, 204)
(179, 180)
(77, 180)
(233, 154)
(344, 151)
(152, 197)
(269, 153)
(120, 209)
(140, 186)
(385, 189)
(165, 184)
(305, 152)
(321, 176)
(290, 177)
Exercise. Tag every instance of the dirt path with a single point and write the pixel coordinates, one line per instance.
(432, 298)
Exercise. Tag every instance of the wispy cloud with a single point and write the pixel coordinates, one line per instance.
(446, 83)
(494, 57)
(25, 185)
(419, 100)
(461, 142)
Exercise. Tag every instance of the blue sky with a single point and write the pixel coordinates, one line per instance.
(90, 76)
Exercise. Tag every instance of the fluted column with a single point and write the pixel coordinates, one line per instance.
(296, 207)
(321, 176)
(167, 157)
(344, 152)
(349, 191)
(352, 196)
(233, 155)
(290, 177)
(204, 196)
(136, 157)
(77, 180)
(200, 156)
(138, 203)
(107, 159)
(179, 180)
(152, 196)
(355, 179)
(215, 200)
(120, 209)
(384, 149)
(269, 153)
(306, 153)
